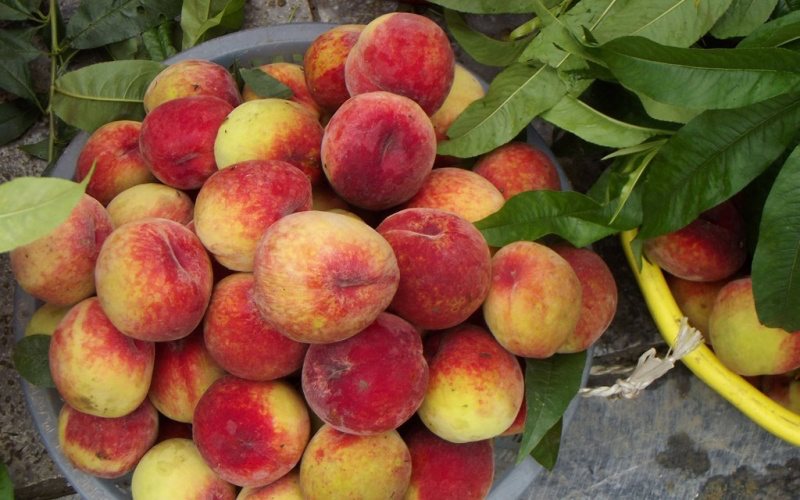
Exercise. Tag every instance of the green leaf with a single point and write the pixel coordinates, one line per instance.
(742, 17)
(17, 10)
(550, 385)
(39, 149)
(491, 6)
(31, 359)
(561, 33)
(92, 96)
(16, 117)
(158, 43)
(6, 486)
(546, 452)
(665, 112)
(132, 48)
(533, 214)
(265, 85)
(702, 78)
(619, 188)
(712, 158)
(204, 19)
(775, 273)
(515, 97)
(784, 7)
(19, 43)
(775, 33)
(31, 207)
(15, 77)
(100, 22)
(483, 49)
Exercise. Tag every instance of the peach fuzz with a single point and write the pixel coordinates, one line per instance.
(45, 319)
(251, 433)
(238, 203)
(291, 75)
(154, 279)
(475, 388)
(695, 299)
(177, 140)
(534, 302)
(182, 372)
(285, 488)
(377, 150)
(96, 369)
(598, 297)
(323, 277)
(106, 447)
(460, 191)
(405, 54)
(174, 469)
(59, 267)
(324, 62)
(517, 167)
(445, 266)
(441, 469)
(271, 129)
(340, 465)
(741, 342)
(241, 340)
(189, 78)
(370, 383)
(151, 200)
(113, 149)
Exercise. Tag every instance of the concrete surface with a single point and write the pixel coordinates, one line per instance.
(678, 440)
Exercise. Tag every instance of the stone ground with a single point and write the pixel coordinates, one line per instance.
(678, 440)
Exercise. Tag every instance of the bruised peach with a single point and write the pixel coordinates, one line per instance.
(517, 167)
(190, 78)
(324, 62)
(460, 191)
(151, 200)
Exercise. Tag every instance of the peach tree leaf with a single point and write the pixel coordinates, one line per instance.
(31, 359)
(101, 22)
(6, 486)
(775, 33)
(264, 85)
(492, 6)
(742, 17)
(16, 117)
(546, 452)
(482, 48)
(204, 19)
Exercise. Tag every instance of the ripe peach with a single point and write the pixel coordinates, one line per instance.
(369, 383)
(45, 319)
(285, 488)
(190, 78)
(151, 200)
(324, 65)
(323, 277)
(291, 75)
(107, 447)
(96, 369)
(177, 139)
(695, 299)
(59, 267)
(154, 279)
(251, 433)
(241, 340)
(445, 266)
(466, 89)
(517, 167)
(238, 203)
(534, 302)
(377, 149)
(340, 465)
(402, 53)
(475, 387)
(460, 191)
(114, 151)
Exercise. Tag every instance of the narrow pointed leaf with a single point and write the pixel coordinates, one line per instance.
(31, 359)
(16, 117)
(785, 7)
(264, 85)
(776, 263)
(483, 49)
(546, 452)
(491, 6)
(205, 19)
(515, 97)
(667, 113)
(17, 10)
(18, 43)
(775, 33)
(15, 77)
(158, 43)
(712, 158)
(742, 17)
(100, 22)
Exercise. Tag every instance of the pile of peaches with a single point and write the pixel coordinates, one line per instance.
(262, 296)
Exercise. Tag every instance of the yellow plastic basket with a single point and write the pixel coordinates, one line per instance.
(702, 361)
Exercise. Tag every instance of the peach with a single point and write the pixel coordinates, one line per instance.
(285, 488)
(96, 369)
(151, 200)
(323, 277)
(113, 149)
(784, 389)
(445, 266)
(174, 469)
(249, 432)
(466, 89)
(534, 302)
(324, 64)
(441, 469)
(324, 198)
(238, 203)
(183, 371)
(106, 447)
(271, 129)
(154, 279)
(291, 75)
(598, 297)
(710, 248)
(517, 167)
(241, 340)
(460, 191)
(177, 139)
(340, 465)
(377, 149)
(59, 267)
(741, 342)
(45, 319)
(190, 78)
(402, 53)
(475, 388)
(695, 299)
(369, 383)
